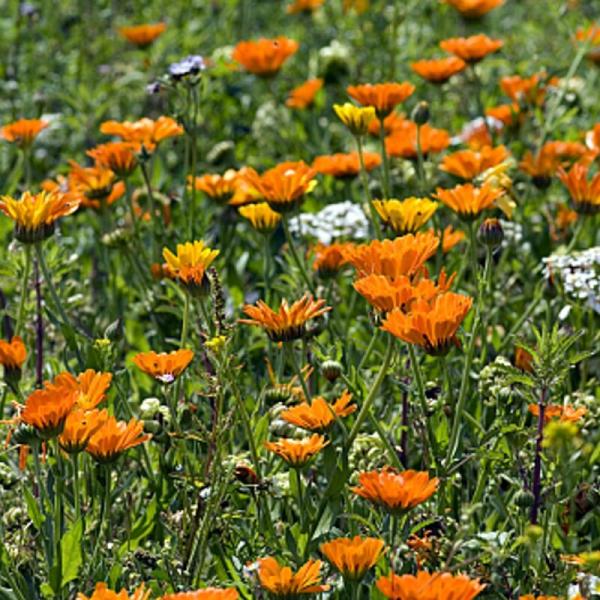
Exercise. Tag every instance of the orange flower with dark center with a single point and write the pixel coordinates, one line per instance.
(402, 142)
(469, 201)
(387, 294)
(303, 96)
(468, 164)
(164, 367)
(353, 557)
(391, 123)
(101, 592)
(142, 35)
(528, 90)
(115, 437)
(438, 70)
(23, 132)
(450, 238)
(474, 9)
(211, 593)
(90, 387)
(584, 192)
(304, 6)
(264, 57)
(345, 166)
(220, 188)
(566, 414)
(289, 322)
(330, 259)
(395, 491)
(94, 187)
(12, 354)
(403, 256)
(429, 586)
(297, 453)
(505, 113)
(432, 324)
(541, 167)
(79, 427)
(471, 49)
(146, 133)
(282, 582)
(116, 156)
(383, 97)
(283, 186)
(47, 409)
(319, 415)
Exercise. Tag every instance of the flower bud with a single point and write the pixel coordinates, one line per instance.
(491, 233)
(420, 114)
(331, 370)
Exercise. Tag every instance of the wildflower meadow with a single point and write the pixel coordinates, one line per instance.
(300, 299)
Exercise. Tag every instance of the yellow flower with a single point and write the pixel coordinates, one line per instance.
(216, 344)
(405, 216)
(355, 118)
(262, 217)
(189, 264)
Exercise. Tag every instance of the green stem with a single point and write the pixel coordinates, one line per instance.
(24, 282)
(384, 156)
(420, 162)
(295, 256)
(365, 183)
(301, 506)
(267, 267)
(76, 498)
(146, 176)
(58, 521)
(297, 370)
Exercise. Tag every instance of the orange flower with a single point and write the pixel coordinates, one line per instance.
(344, 166)
(391, 123)
(468, 164)
(142, 35)
(211, 593)
(569, 151)
(534, 597)
(189, 264)
(282, 582)
(567, 413)
(359, 6)
(432, 324)
(264, 57)
(164, 367)
(12, 354)
(505, 113)
(474, 9)
(303, 96)
(469, 201)
(303, 6)
(116, 156)
(283, 186)
(115, 437)
(90, 387)
(438, 70)
(220, 188)
(319, 415)
(353, 557)
(451, 238)
(383, 97)
(385, 294)
(529, 90)
(101, 592)
(565, 217)
(23, 131)
(79, 427)
(471, 49)
(429, 586)
(540, 167)
(592, 139)
(523, 359)
(590, 34)
(35, 215)
(330, 259)
(403, 256)
(288, 323)
(403, 140)
(47, 409)
(297, 453)
(145, 132)
(584, 194)
(94, 187)
(395, 491)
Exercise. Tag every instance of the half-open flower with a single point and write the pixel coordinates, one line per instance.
(189, 265)
(261, 216)
(164, 366)
(303, 96)
(471, 49)
(80, 426)
(468, 164)
(12, 354)
(23, 132)
(345, 166)
(282, 582)
(353, 557)
(355, 118)
(264, 57)
(115, 437)
(383, 97)
(330, 259)
(429, 586)
(142, 35)
(405, 216)
(220, 188)
(319, 415)
(144, 133)
(90, 387)
(297, 453)
(47, 409)
(402, 142)
(438, 70)
(474, 9)
(116, 156)
(94, 187)
(469, 201)
(102, 592)
(583, 191)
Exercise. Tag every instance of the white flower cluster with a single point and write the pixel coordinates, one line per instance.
(579, 273)
(340, 220)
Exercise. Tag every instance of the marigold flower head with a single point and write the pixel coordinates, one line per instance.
(405, 216)
(468, 164)
(450, 238)
(35, 215)
(429, 586)
(12, 353)
(527, 90)
(383, 97)
(330, 259)
(474, 9)
(355, 118)
(319, 415)
(353, 557)
(93, 187)
(471, 49)
(189, 264)
(439, 70)
(164, 366)
(507, 114)
(115, 437)
(303, 96)
(264, 57)
(395, 491)
(566, 413)
(90, 387)
(289, 322)
(210, 593)
(261, 216)
(403, 256)
(142, 35)
(23, 132)
(402, 142)
(583, 191)
(282, 582)
(220, 188)
(283, 186)
(102, 592)
(303, 6)
(344, 166)
(79, 427)
(47, 409)
(117, 156)
(469, 201)
(297, 453)
(541, 167)
(144, 133)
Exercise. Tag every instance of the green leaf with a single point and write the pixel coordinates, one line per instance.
(33, 509)
(70, 548)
